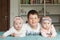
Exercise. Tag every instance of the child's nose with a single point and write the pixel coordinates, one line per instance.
(47, 25)
(33, 19)
(18, 25)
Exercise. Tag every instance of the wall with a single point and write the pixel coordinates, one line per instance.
(13, 10)
(50, 9)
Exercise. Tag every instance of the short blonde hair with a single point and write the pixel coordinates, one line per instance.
(18, 18)
(47, 18)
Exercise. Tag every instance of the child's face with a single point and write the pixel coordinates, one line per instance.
(33, 20)
(46, 24)
(18, 24)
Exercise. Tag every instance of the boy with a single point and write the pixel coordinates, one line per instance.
(17, 30)
(33, 25)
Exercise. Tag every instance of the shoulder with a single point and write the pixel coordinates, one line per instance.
(52, 26)
(26, 26)
(39, 25)
(12, 27)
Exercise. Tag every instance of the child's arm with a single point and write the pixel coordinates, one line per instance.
(13, 34)
(21, 34)
(7, 33)
(43, 33)
(2, 37)
(54, 33)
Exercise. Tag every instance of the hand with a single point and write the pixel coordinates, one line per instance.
(13, 34)
(2, 37)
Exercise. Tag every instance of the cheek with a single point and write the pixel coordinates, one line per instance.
(20, 25)
(15, 26)
(30, 21)
(44, 25)
(49, 25)
(37, 20)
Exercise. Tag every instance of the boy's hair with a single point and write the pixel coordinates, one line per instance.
(33, 12)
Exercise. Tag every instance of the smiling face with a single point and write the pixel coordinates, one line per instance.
(33, 20)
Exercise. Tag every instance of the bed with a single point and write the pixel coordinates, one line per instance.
(30, 37)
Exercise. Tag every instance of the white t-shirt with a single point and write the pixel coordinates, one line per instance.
(20, 33)
(30, 31)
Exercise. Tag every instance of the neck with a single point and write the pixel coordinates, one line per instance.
(17, 30)
(34, 27)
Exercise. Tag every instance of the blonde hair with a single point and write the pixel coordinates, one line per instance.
(46, 18)
(18, 18)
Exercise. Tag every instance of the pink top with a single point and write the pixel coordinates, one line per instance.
(48, 33)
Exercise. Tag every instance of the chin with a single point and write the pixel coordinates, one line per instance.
(18, 28)
(34, 25)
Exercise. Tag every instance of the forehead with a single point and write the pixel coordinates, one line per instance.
(46, 21)
(17, 18)
(33, 15)
(17, 21)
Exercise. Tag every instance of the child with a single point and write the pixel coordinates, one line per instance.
(47, 29)
(33, 26)
(17, 30)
